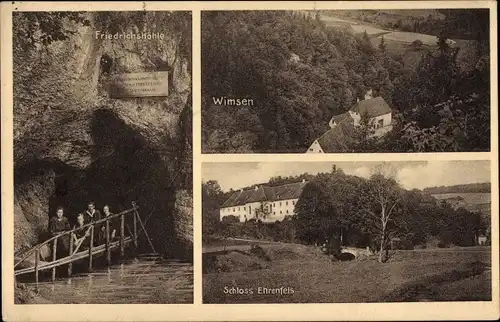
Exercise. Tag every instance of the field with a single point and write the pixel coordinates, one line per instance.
(399, 42)
(458, 274)
(473, 198)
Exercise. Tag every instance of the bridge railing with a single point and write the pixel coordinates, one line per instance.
(89, 233)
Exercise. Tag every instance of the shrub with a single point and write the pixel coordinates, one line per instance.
(442, 244)
(230, 219)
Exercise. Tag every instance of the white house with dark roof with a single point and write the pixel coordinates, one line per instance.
(268, 204)
(342, 127)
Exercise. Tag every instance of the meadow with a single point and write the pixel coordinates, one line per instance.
(452, 274)
(474, 198)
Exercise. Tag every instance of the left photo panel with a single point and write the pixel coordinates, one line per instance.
(103, 207)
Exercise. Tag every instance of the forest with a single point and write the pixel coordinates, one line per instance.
(300, 73)
(371, 212)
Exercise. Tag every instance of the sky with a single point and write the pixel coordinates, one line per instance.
(410, 174)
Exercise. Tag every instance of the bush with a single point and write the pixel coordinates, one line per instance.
(230, 219)
(442, 244)
(403, 244)
(333, 247)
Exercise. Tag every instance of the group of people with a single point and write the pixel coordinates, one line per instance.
(60, 223)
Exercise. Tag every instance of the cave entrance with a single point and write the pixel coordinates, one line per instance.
(124, 169)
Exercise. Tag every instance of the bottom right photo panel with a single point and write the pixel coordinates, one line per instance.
(346, 232)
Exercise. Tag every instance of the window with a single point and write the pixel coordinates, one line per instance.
(280, 203)
(274, 212)
(250, 209)
(380, 123)
(286, 203)
(281, 212)
(287, 211)
(293, 203)
(234, 209)
(245, 208)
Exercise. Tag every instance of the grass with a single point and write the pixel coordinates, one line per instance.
(469, 197)
(420, 275)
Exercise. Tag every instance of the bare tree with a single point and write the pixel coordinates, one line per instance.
(383, 201)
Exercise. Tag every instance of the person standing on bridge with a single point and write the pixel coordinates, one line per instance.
(59, 223)
(112, 224)
(81, 236)
(92, 215)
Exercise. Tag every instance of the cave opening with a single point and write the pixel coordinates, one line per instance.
(124, 169)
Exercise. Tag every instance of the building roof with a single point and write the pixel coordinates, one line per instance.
(339, 138)
(373, 107)
(265, 193)
(344, 117)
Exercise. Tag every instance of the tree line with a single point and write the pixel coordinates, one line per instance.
(300, 73)
(484, 187)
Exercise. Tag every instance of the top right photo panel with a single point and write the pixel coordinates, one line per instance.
(346, 81)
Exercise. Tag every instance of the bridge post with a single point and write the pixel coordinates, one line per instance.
(122, 235)
(108, 248)
(135, 227)
(91, 246)
(70, 264)
(37, 260)
(54, 257)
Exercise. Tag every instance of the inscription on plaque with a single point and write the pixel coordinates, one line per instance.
(140, 85)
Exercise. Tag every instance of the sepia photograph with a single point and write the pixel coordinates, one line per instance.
(344, 81)
(346, 232)
(103, 208)
(265, 161)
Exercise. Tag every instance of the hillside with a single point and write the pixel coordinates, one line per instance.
(462, 188)
(301, 69)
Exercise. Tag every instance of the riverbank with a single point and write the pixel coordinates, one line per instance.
(459, 274)
(25, 295)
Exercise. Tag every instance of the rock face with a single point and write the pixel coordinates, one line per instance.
(73, 143)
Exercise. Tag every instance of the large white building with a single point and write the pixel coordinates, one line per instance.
(342, 127)
(264, 203)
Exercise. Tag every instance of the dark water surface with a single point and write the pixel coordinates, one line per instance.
(137, 280)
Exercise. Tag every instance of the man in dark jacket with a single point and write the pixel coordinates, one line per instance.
(91, 215)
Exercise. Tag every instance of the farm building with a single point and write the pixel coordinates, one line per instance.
(342, 127)
(267, 204)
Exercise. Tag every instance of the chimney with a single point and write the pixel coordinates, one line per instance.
(369, 94)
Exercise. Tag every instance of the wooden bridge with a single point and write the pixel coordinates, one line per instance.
(93, 250)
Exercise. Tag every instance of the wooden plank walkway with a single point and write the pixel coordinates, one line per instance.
(75, 254)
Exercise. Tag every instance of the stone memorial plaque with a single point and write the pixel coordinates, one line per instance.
(140, 85)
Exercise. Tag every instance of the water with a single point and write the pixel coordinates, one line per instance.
(133, 281)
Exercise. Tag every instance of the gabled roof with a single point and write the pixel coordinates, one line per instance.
(344, 117)
(239, 198)
(373, 107)
(289, 191)
(338, 139)
(265, 193)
